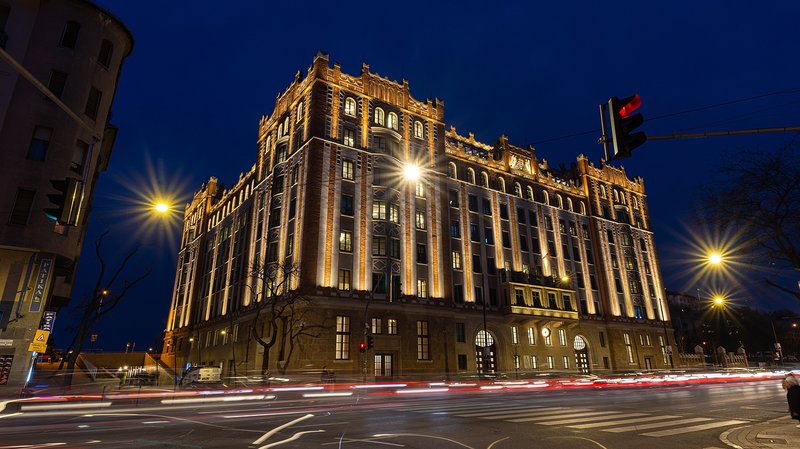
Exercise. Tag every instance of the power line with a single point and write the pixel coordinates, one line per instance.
(687, 111)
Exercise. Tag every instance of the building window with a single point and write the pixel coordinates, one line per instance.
(476, 264)
(488, 236)
(474, 235)
(418, 130)
(58, 80)
(456, 260)
(379, 116)
(347, 205)
(628, 347)
(550, 362)
(299, 113)
(452, 197)
(350, 106)
(379, 246)
(70, 36)
(379, 210)
(514, 335)
(391, 122)
(452, 171)
(394, 213)
(472, 203)
(342, 337)
(471, 175)
(344, 279)
(461, 333)
(562, 337)
(420, 190)
(39, 143)
(602, 340)
(422, 288)
(420, 219)
(519, 297)
(455, 229)
(349, 137)
(394, 248)
(534, 362)
(531, 336)
(106, 50)
(506, 236)
(346, 241)
(347, 170)
(487, 206)
(79, 153)
(93, 103)
(516, 361)
(458, 294)
(566, 362)
(423, 341)
(663, 346)
(377, 326)
(462, 362)
(422, 253)
(391, 326)
(22, 207)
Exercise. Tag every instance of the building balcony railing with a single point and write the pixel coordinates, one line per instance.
(540, 312)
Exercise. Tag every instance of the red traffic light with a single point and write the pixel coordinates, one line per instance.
(362, 347)
(632, 105)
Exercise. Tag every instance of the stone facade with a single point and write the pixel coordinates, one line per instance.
(491, 261)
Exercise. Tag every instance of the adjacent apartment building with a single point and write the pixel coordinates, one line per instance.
(76, 50)
(414, 249)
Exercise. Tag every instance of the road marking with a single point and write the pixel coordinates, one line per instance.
(389, 435)
(495, 442)
(339, 441)
(713, 425)
(539, 418)
(264, 437)
(10, 414)
(655, 425)
(291, 438)
(622, 421)
(591, 418)
(521, 412)
(33, 407)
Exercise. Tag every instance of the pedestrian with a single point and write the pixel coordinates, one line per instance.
(792, 396)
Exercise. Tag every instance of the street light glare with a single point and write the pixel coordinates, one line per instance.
(719, 300)
(161, 207)
(715, 258)
(411, 172)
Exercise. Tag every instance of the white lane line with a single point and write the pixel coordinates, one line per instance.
(334, 394)
(588, 418)
(655, 425)
(281, 427)
(713, 425)
(10, 414)
(621, 421)
(545, 418)
(237, 398)
(520, 412)
(291, 438)
(67, 406)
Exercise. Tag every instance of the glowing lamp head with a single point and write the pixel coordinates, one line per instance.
(719, 300)
(564, 278)
(161, 207)
(411, 172)
(715, 258)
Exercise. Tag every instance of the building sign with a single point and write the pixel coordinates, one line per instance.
(45, 266)
(48, 320)
(5, 368)
(6, 342)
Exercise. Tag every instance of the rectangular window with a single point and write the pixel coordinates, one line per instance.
(523, 242)
(344, 279)
(347, 170)
(562, 337)
(348, 137)
(602, 340)
(422, 253)
(79, 153)
(423, 341)
(548, 223)
(58, 80)
(39, 143)
(488, 236)
(566, 362)
(458, 294)
(461, 333)
(455, 229)
(420, 219)
(346, 241)
(537, 299)
(491, 267)
(476, 264)
(516, 361)
(663, 349)
(292, 208)
(342, 337)
(628, 347)
(532, 219)
(519, 297)
(422, 288)
(420, 190)
(567, 301)
(548, 341)
(514, 335)
(521, 215)
(272, 252)
(550, 364)
(377, 326)
(478, 295)
(379, 246)
(391, 326)
(504, 211)
(106, 50)
(487, 206)
(289, 245)
(534, 362)
(456, 260)
(474, 235)
(379, 210)
(93, 103)
(394, 248)
(394, 213)
(506, 239)
(472, 203)
(347, 205)
(70, 36)
(531, 336)
(453, 198)
(462, 362)
(295, 175)
(22, 207)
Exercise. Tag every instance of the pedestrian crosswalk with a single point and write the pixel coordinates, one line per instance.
(582, 418)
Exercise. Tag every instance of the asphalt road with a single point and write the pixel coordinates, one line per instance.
(641, 417)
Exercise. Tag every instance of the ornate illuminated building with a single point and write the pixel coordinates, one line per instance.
(491, 260)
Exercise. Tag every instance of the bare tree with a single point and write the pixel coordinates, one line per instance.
(108, 292)
(282, 314)
(758, 196)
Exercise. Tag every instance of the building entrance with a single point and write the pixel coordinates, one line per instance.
(485, 357)
(383, 365)
(581, 354)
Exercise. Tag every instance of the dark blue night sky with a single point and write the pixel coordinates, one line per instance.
(202, 74)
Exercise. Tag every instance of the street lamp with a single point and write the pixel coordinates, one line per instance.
(715, 258)
(161, 207)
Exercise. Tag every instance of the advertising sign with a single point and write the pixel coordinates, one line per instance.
(45, 267)
(48, 320)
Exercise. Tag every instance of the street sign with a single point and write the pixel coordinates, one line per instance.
(37, 347)
(48, 320)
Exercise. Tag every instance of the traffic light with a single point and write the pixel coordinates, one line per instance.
(362, 347)
(370, 342)
(67, 201)
(623, 121)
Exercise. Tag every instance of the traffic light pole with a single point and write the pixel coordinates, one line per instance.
(603, 127)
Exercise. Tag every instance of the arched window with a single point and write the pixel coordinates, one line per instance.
(569, 205)
(106, 48)
(418, 130)
(517, 189)
(280, 130)
(286, 125)
(350, 106)
(530, 193)
(545, 197)
(616, 196)
(560, 201)
(452, 170)
(300, 112)
(635, 202)
(392, 121)
(583, 208)
(471, 175)
(484, 179)
(379, 117)
(501, 184)
(603, 191)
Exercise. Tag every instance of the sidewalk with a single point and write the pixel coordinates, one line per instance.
(779, 433)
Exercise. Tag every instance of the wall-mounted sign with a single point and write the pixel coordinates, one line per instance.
(6, 342)
(45, 266)
(48, 320)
